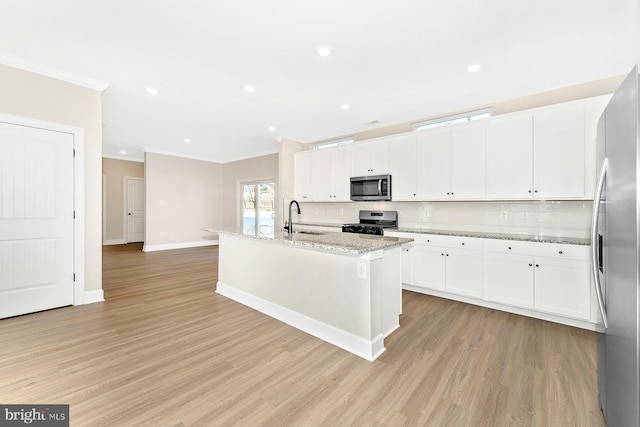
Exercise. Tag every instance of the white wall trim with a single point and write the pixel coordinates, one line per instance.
(508, 308)
(183, 245)
(56, 73)
(78, 193)
(369, 350)
(91, 297)
(114, 242)
(128, 159)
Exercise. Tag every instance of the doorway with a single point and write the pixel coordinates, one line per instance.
(134, 208)
(258, 208)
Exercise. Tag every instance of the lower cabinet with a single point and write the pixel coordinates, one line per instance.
(545, 280)
(563, 287)
(449, 268)
(510, 279)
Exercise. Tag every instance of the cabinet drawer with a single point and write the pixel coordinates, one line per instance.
(449, 241)
(551, 250)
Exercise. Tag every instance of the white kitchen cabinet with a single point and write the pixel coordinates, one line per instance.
(429, 267)
(468, 165)
(306, 182)
(563, 287)
(371, 158)
(510, 157)
(465, 272)
(510, 279)
(443, 263)
(323, 175)
(404, 167)
(333, 169)
(452, 163)
(549, 278)
(434, 172)
(559, 152)
(593, 111)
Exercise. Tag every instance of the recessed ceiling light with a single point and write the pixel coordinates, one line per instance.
(473, 68)
(250, 88)
(187, 140)
(123, 152)
(272, 128)
(345, 106)
(324, 50)
(153, 90)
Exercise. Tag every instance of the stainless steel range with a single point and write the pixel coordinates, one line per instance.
(373, 222)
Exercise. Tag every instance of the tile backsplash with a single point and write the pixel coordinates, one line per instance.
(557, 218)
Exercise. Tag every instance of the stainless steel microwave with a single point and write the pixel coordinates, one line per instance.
(371, 188)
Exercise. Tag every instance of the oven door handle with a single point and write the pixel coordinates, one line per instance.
(380, 187)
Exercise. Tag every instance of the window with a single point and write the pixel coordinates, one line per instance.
(446, 121)
(258, 208)
(333, 143)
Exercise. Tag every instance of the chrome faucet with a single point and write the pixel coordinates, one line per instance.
(290, 224)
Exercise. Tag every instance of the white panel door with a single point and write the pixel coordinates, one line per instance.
(434, 165)
(468, 165)
(558, 152)
(135, 210)
(510, 158)
(36, 219)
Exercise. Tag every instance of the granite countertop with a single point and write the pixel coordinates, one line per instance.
(346, 243)
(501, 236)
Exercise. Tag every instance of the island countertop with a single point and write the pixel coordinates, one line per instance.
(347, 243)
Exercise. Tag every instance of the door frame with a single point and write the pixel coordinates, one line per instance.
(78, 193)
(125, 202)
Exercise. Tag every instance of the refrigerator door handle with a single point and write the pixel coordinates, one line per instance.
(594, 241)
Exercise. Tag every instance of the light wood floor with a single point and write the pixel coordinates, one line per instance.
(166, 350)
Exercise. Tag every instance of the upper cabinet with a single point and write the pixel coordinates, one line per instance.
(371, 158)
(546, 153)
(559, 152)
(510, 157)
(323, 175)
(452, 163)
(404, 167)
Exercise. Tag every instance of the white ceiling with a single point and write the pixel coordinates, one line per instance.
(392, 61)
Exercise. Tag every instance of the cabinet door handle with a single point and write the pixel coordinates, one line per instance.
(509, 247)
(462, 243)
(537, 265)
(535, 191)
(560, 252)
(529, 191)
(530, 265)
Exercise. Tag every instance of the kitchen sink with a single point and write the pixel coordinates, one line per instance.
(314, 233)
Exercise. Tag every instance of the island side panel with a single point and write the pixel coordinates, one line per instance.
(327, 287)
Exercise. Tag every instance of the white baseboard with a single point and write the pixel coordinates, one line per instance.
(114, 242)
(168, 246)
(369, 350)
(93, 296)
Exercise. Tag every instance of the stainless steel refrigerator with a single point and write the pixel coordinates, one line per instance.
(615, 250)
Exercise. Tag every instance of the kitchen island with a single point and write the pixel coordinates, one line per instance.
(343, 288)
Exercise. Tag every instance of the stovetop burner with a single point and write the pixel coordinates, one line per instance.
(373, 222)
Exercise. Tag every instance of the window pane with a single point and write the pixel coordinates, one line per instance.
(258, 208)
(249, 209)
(266, 208)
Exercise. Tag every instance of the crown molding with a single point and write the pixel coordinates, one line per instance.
(56, 73)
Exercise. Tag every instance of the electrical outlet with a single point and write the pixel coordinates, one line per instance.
(341, 211)
(426, 214)
(362, 270)
(162, 234)
(504, 215)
